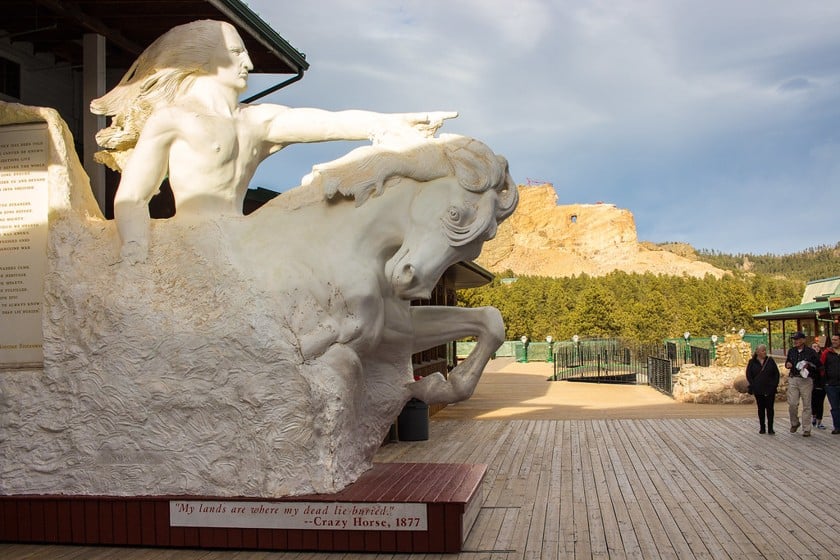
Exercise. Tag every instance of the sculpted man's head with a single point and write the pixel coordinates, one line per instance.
(165, 70)
(230, 61)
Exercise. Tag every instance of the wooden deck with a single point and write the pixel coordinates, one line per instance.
(612, 488)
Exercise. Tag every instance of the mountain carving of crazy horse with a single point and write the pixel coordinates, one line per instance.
(264, 355)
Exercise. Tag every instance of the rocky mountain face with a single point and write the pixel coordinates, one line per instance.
(543, 238)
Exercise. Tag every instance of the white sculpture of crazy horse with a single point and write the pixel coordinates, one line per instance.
(262, 355)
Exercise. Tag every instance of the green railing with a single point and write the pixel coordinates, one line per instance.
(542, 351)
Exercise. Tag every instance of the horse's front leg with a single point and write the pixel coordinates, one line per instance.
(439, 325)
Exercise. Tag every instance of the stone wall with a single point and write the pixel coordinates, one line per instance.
(717, 385)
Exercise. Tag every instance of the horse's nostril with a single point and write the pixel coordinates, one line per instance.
(408, 271)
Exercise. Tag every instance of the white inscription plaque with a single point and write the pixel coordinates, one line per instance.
(344, 516)
(23, 241)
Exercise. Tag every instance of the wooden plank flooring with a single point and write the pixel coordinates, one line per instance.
(633, 488)
(604, 472)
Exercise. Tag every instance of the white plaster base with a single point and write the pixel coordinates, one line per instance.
(158, 387)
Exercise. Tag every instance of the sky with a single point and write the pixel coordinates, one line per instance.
(716, 123)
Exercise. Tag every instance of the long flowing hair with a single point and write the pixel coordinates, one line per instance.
(154, 80)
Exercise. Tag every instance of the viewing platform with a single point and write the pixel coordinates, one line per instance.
(580, 471)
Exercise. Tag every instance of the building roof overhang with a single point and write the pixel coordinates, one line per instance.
(467, 274)
(820, 299)
(802, 311)
(129, 26)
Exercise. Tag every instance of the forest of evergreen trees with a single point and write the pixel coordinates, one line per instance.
(648, 307)
(810, 264)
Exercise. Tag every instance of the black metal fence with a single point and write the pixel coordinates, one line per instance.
(627, 362)
(678, 353)
(660, 374)
(700, 356)
(604, 361)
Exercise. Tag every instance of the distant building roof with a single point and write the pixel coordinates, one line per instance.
(816, 301)
(818, 288)
(804, 310)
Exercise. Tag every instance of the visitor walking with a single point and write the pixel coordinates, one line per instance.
(763, 381)
(818, 394)
(830, 360)
(802, 363)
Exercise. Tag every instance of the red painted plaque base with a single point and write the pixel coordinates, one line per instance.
(451, 492)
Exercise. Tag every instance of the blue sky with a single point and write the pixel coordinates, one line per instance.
(716, 123)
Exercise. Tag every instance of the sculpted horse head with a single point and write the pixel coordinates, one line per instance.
(466, 192)
(335, 264)
(429, 205)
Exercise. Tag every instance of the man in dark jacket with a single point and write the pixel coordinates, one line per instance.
(830, 360)
(803, 363)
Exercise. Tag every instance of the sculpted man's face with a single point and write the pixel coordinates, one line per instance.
(232, 60)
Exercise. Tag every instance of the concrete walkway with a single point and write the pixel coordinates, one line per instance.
(512, 390)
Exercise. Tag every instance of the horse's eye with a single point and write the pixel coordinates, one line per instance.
(454, 214)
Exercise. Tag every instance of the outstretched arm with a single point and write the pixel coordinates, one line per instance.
(286, 125)
(438, 325)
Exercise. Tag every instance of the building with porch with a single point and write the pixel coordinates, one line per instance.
(817, 315)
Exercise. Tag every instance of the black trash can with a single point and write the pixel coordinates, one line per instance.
(413, 422)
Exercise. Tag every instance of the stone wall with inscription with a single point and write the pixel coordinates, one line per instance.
(23, 241)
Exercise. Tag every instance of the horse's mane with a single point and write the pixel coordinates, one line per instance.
(367, 171)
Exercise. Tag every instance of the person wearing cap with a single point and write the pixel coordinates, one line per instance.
(802, 363)
(830, 359)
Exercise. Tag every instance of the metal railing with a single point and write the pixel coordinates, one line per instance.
(615, 361)
(660, 374)
(700, 356)
(607, 361)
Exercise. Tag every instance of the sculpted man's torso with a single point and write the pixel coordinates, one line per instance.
(216, 157)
